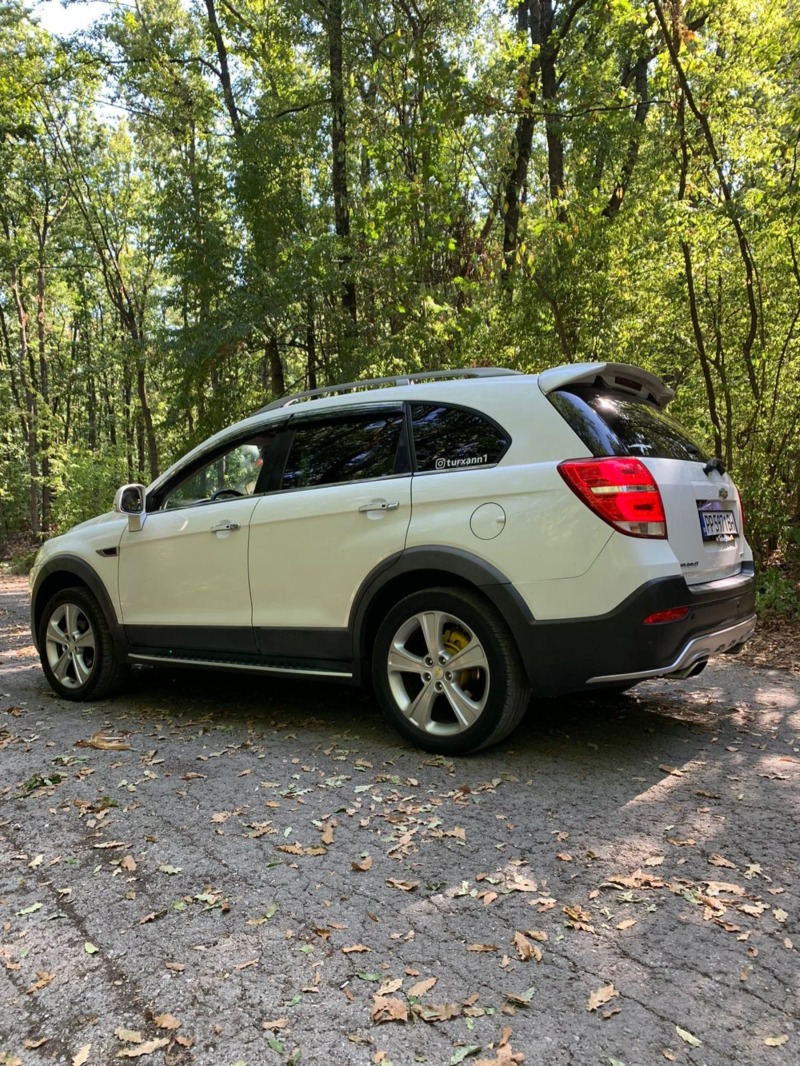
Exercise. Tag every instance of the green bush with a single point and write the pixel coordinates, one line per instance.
(776, 593)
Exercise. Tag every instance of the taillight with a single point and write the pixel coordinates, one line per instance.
(621, 491)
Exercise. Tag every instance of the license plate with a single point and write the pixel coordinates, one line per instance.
(718, 524)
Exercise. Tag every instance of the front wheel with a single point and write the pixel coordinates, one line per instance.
(447, 673)
(76, 647)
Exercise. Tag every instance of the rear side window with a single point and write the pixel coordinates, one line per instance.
(454, 438)
(343, 449)
(612, 424)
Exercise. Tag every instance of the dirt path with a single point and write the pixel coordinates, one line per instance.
(261, 872)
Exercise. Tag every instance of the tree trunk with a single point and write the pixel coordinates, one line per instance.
(341, 199)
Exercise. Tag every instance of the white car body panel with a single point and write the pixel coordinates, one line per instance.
(541, 533)
(175, 571)
(310, 549)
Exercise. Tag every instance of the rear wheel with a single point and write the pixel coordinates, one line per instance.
(447, 673)
(76, 647)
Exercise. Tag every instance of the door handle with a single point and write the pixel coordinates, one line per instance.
(225, 527)
(379, 505)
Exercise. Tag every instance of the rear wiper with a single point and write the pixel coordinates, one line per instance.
(714, 464)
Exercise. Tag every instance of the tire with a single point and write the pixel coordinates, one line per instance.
(451, 712)
(76, 647)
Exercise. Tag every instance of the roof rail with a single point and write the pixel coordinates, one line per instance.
(400, 379)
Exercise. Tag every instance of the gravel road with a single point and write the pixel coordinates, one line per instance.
(226, 871)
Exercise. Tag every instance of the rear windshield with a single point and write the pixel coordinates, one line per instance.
(612, 424)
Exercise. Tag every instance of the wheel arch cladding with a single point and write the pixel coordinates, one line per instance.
(430, 567)
(67, 572)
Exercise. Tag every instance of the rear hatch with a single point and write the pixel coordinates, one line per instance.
(618, 410)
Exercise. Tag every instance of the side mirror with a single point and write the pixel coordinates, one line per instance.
(130, 500)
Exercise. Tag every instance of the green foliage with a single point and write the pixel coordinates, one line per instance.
(168, 265)
(777, 593)
(85, 484)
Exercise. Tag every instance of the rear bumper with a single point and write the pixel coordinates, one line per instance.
(617, 648)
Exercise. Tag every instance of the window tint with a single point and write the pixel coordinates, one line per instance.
(610, 424)
(343, 449)
(451, 438)
(232, 473)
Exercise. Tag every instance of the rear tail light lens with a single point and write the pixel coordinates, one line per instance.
(622, 492)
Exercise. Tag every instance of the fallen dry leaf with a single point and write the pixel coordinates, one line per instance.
(526, 949)
(167, 1021)
(421, 987)
(128, 1036)
(654, 860)
(82, 1056)
(505, 1055)
(387, 1009)
(776, 1041)
(627, 923)
(44, 980)
(404, 886)
(354, 948)
(364, 865)
(143, 1049)
(601, 996)
(442, 1012)
(579, 919)
(104, 743)
(274, 1026)
(481, 947)
(296, 849)
(715, 887)
(127, 862)
(718, 860)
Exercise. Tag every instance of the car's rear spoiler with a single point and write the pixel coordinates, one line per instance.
(617, 377)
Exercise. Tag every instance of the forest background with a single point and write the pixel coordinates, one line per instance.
(206, 203)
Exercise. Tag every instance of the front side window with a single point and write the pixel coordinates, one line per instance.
(454, 438)
(334, 450)
(233, 473)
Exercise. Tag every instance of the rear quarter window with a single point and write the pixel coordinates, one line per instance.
(612, 424)
(455, 438)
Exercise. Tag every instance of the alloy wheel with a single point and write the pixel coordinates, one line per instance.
(71, 645)
(438, 673)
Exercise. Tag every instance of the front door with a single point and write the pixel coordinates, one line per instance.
(183, 580)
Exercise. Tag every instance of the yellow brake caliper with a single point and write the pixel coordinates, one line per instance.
(455, 640)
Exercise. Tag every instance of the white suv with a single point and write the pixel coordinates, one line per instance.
(460, 539)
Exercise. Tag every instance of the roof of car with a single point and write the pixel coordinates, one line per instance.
(387, 382)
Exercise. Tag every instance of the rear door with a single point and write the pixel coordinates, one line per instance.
(339, 505)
